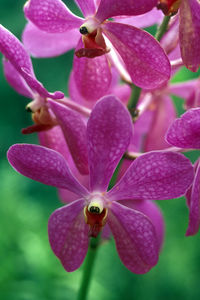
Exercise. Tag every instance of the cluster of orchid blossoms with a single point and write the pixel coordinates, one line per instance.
(83, 138)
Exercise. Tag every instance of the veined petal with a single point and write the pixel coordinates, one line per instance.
(68, 235)
(155, 139)
(44, 165)
(155, 176)
(194, 205)
(74, 130)
(51, 15)
(185, 131)
(189, 33)
(109, 131)
(16, 80)
(110, 8)
(92, 75)
(88, 7)
(43, 44)
(135, 238)
(143, 56)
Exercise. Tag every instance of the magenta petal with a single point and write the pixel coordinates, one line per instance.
(44, 165)
(74, 130)
(135, 238)
(143, 56)
(185, 131)
(51, 15)
(183, 89)
(110, 8)
(43, 44)
(92, 76)
(88, 7)
(194, 205)
(189, 36)
(155, 139)
(68, 235)
(109, 131)
(155, 176)
(16, 80)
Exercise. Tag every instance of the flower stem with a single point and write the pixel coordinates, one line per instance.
(162, 28)
(88, 268)
(132, 104)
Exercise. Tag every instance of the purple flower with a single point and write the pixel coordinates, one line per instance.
(135, 52)
(189, 29)
(19, 73)
(153, 176)
(185, 133)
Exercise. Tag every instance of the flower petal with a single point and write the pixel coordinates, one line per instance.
(43, 44)
(88, 7)
(51, 15)
(185, 131)
(14, 51)
(110, 8)
(135, 238)
(143, 56)
(155, 176)
(109, 131)
(68, 235)
(74, 130)
(92, 75)
(16, 80)
(189, 33)
(183, 89)
(194, 205)
(44, 165)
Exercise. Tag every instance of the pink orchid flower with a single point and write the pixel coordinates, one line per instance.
(101, 42)
(153, 176)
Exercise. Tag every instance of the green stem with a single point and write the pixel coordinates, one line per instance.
(162, 28)
(88, 268)
(135, 95)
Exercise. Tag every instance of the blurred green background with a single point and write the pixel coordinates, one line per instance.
(28, 268)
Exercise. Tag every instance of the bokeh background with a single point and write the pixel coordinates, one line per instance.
(28, 268)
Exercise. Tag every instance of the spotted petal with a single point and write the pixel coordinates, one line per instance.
(43, 44)
(74, 130)
(68, 235)
(143, 56)
(51, 15)
(44, 165)
(135, 238)
(155, 176)
(110, 8)
(185, 131)
(109, 131)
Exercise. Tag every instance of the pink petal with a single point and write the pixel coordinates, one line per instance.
(194, 205)
(143, 56)
(92, 76)
(152, 211)
(150, 18)
(155, 139)
(109, 131)
(74, 130)
(16, 80)
(68, 235)
(189, 33)
(135, 238)
(44, 165)
(110, 8)
(51, 15)
(43, 44)
(88, 7)
(155, 176)
(14, 51)
(183, 89)
(185, 131)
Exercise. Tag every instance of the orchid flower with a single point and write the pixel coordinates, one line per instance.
(19, 73)
(153, 176)
(135, 53)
